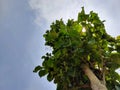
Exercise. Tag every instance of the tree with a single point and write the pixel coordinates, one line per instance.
(84, 56)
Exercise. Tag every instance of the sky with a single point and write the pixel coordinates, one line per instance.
(22, 25)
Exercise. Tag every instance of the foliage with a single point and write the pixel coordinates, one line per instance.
(78, 42)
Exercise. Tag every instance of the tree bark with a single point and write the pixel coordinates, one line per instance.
(95, 82)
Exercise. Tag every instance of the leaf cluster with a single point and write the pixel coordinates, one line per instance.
(84, 41)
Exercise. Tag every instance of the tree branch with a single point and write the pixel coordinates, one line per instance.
(95, 82)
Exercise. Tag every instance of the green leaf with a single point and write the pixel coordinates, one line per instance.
(115, 58)
(118, 37)
(118, 47)
(37, 68)
(91, 42)
(88, 57)
(42, 73)
(57, 54)
(49, 77)
(82, 16)
(50, 63)
(56, 80)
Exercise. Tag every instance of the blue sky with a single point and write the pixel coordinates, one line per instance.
(22, 24)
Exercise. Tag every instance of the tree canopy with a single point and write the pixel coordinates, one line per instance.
(77, 43)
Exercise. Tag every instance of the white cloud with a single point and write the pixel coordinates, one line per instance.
(48, 11)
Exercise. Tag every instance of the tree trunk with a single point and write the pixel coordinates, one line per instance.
(95, 82)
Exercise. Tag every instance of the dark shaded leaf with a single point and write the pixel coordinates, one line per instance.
(49, 77)
(42, 73)
(37, 68)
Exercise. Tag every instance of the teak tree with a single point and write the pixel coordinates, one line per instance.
(84, 56)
